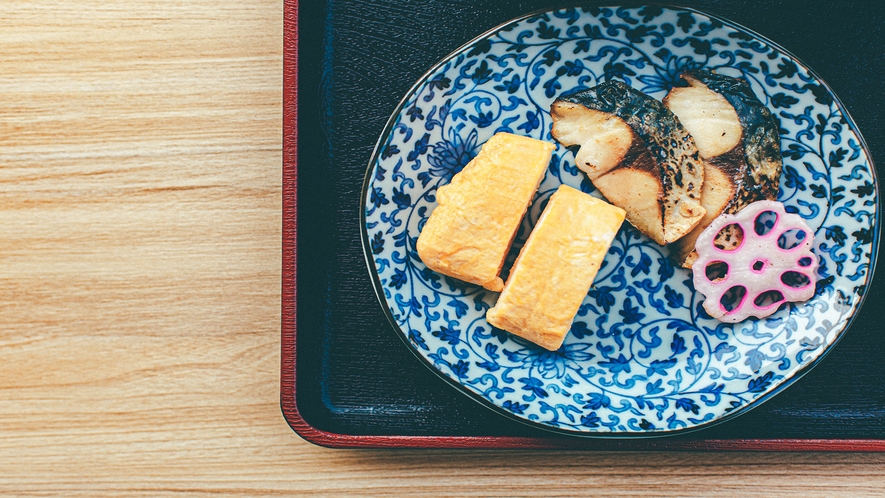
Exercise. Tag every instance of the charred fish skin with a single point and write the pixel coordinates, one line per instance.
(669, 145)
(761, 138)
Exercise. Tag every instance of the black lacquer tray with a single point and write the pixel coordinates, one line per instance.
(347, 380)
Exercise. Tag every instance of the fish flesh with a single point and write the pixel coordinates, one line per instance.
(637, 154)
(738, 139)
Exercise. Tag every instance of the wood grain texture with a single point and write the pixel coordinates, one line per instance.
(140, 214)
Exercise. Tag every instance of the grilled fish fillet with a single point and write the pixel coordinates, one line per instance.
(637, 154)
(470, 231)
(738, 138)
(556, 267)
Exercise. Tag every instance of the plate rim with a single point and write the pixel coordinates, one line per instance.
(788, 380)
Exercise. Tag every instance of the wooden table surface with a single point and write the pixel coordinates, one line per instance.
(140, 227)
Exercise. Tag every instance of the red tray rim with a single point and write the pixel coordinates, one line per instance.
(288, 398)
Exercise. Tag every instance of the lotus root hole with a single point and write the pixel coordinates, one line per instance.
(765, 223)
(791, 239)
(768, 299)
(717, 271)
(795, 279)
(804, 262)
(733, 298)
(758, 266)
(729, 238)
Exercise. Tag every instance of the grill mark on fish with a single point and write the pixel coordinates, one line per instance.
(729, 163)
(666, 149)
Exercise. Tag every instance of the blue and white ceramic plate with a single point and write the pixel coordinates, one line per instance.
(642, 358)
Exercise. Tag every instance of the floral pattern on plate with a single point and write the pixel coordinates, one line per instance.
(642, 357)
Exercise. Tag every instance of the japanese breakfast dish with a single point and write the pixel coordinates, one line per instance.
(697, 173)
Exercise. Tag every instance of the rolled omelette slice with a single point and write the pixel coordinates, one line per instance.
(556, 267)
(470, 232)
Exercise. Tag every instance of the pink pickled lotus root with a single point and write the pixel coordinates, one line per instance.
(759, 264)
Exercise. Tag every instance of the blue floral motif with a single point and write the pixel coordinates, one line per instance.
(642, 355)
(450, 156)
